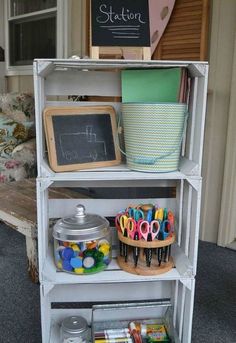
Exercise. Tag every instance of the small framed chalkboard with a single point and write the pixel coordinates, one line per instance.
(120, 23)
(81, 138)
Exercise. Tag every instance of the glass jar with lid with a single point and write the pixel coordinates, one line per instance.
(82, 243)
(74, 329)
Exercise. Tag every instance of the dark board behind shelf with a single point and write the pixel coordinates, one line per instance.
(80, 138)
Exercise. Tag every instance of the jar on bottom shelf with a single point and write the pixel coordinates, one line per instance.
(74, 329)
(82, 243)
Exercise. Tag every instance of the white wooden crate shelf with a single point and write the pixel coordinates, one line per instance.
(103, 78)
(113, 274)
(45, 67)
(180, 297)
(120, 172)
(55, 80)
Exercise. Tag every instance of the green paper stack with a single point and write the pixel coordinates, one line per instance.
(152, 85)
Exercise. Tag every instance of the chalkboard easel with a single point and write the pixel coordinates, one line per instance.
(81, 137)
(129, 29)
(120, 28)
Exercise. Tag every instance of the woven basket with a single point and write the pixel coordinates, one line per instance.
(153, 134)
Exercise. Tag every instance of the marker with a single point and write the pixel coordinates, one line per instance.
(114, 340)
(113, 333)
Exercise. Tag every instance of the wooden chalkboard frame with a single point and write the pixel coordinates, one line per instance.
(51, 112)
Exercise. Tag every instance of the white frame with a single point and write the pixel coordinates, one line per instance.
(62, 40)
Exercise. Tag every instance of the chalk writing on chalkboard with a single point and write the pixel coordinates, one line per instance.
(82, 137)
(93, 148)
(120, 23)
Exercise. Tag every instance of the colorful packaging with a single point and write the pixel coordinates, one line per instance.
(154, 333)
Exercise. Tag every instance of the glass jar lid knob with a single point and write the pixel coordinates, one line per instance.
(80, 211)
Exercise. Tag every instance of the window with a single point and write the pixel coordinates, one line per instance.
(34, 30)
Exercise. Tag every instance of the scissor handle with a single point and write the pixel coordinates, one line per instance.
(144, 228)
(159, 213)
(136, 214)
(139, 215)
(149, 215)
(117, 221)
(123, 222)
(164, 229)
(131, 227)
(171, 219)
(165, 213)
(154, 228)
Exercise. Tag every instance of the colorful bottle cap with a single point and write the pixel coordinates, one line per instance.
(88, 262)
(76, 262)
(66, 266)
(67, 253)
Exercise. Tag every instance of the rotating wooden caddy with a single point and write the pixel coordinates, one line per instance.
(142, 268)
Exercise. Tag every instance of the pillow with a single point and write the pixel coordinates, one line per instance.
(19, 106)
(25, 152)
(13, 133)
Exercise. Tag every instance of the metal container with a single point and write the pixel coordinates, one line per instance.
(74, 330)
(82, 243)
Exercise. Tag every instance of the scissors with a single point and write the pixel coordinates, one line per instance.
(121, 224)
(120, 221)
(165, 230)
(171, 220)
(133, 229)
(149, 215)
(135, 234)
(148, 211)
(149, 231)
(136, 213)
(159, 214)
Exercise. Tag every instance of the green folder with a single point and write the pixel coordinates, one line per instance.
(152, 85)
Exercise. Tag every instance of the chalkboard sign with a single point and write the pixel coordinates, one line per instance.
(120, 23)
(81, 137)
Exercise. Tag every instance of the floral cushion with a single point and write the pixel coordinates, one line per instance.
(13, 133)
(17, 147)
(13, 170)
(26, 152)
(19, 106)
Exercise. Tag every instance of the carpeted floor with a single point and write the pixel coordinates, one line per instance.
(214, 319)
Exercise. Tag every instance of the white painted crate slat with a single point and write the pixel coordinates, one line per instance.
(113, 274)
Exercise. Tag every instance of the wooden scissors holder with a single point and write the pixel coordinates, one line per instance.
(142, 268)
